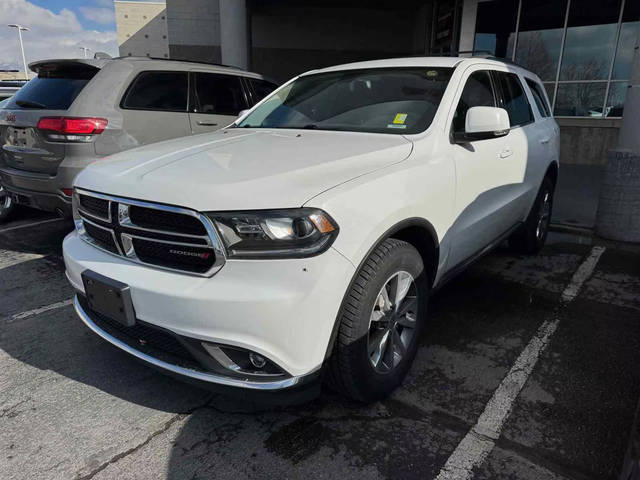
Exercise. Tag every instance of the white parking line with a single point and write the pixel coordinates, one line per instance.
(33, 224)
(9, 258)
(478, 443)
(39, 310)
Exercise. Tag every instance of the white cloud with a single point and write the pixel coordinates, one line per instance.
(103, 15)
(51, 36)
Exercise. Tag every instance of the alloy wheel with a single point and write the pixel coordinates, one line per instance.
(544, 215)
(392, 324)
(5, 199)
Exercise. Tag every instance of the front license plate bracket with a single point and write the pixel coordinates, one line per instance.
(109, 297)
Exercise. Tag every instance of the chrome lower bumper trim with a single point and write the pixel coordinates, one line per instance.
(204, 377)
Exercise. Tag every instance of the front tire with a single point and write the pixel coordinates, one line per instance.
(6, 205)
(530, 238)
(380, 322)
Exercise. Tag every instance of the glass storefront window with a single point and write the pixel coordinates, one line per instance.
(550, 88)
(626, 42)
(615, 102)
(584, 99)
(496, 27)
(540, 36)
(570, 45)
(590, 40)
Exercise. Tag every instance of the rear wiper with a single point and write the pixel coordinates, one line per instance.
(29, 104)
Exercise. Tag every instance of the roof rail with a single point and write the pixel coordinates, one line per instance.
(177, 60)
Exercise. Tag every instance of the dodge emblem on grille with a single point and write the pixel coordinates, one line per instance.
(204, 255)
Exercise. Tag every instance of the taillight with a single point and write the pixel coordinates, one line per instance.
(67, 192)
(72, 128)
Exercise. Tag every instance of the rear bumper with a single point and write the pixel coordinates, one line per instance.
(48, 202)
(39, 190)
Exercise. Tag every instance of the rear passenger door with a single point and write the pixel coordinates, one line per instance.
(154, 107)
(215, 102)
(527, 141)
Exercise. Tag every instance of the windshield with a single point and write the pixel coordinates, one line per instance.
(381, 100)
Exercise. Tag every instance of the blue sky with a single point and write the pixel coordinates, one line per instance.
(86, 10)
(58, 28)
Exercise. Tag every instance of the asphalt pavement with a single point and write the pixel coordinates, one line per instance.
(528, 369)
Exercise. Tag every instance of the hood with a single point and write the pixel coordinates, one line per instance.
(243, 169)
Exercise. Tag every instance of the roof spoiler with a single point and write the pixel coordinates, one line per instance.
(44, 65)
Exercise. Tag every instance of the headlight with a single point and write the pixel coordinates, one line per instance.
(298, 232)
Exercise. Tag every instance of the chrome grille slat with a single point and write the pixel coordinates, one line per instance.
(125, 233)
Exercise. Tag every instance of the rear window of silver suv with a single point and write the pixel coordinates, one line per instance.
(54, 89)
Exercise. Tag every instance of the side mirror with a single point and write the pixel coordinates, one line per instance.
(483, 123)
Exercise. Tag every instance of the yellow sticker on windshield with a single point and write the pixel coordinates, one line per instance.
(400, 118)
(432, 73)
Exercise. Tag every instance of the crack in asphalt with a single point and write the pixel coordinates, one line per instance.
(116, 458)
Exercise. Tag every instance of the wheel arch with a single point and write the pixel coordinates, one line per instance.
(552, 173)
(416, 231)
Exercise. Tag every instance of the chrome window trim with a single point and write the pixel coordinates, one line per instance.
(213, 240)
(267, 385)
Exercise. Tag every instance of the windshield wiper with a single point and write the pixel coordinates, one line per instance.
(29, 104)
(311, 126)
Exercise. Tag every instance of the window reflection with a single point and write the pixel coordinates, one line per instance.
(540, 36)
(615, 102)
(496, 27)
(590, 40)
(580, 99)
(550, 88)
(628, 35)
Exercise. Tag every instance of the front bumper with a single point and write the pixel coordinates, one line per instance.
(284, 310)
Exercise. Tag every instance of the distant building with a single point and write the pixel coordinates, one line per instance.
(12, 75)
(142, 29)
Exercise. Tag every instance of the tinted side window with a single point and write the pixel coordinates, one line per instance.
(261, 88)
(538, 96)
(514, 100)
(215, 93)
(166, 91)
(477, 92)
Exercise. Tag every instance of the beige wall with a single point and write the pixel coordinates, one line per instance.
(142, 29)
(13, 75)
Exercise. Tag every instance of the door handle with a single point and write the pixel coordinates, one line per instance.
(544, 141)
(506, 152)
(207, 124)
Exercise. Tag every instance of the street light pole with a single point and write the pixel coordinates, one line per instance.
(24, 61)
(84, 50)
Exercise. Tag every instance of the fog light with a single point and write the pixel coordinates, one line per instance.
(257, 361)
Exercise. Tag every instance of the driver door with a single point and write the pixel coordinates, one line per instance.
(483, 173)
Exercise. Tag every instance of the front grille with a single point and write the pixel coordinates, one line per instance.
(180, 257)
(103, 238)
(168, 237)
(95, 206)
(161, 220)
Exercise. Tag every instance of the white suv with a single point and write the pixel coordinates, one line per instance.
(305, 238)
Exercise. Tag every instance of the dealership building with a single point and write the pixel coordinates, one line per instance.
(581, 49)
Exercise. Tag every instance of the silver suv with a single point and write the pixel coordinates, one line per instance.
(78, 111)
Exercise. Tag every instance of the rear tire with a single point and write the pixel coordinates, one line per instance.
(379, 323)
(530, 238)
(6, 205)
